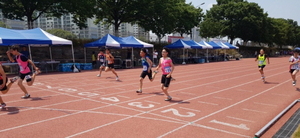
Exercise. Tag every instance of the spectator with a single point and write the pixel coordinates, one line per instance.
(155, 54)
(94, 62)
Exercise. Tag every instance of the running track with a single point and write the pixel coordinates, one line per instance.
(223, 99)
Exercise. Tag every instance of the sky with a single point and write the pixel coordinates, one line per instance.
(287, 9)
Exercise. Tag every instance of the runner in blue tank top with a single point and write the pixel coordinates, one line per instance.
(147, 64)
(101, 62)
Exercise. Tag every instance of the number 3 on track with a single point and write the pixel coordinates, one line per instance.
(175, 112)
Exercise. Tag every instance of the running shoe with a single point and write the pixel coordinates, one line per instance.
(3, 105)
(37, 72)
(169, 98)
(263, 79)
(26, 96)
(294, 83)
(117, 78)
(12, 80)
(155, 71)
(98, 75)
(172, 79)
(139, 91)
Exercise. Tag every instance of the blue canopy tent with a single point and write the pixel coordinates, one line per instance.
(33, 37)
(209, 46)
(118, 42)
(108, 40)
(186, 44)
(231, 46)
(179, 44)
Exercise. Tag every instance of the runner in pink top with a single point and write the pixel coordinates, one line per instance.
(24, 69)
(167, 68)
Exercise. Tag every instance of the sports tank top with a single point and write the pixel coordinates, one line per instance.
(145, 64)
(166, 66)
(24, 69)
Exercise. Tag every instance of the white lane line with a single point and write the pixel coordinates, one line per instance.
(187, 93)
(251, 110)
(123, 96)
(273, 105)
(222, 98)
(208, 103)
(242, 90)
(280, 94)
(236, 118)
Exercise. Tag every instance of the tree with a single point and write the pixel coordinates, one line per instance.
(188, 17)
(280, 31)
(237, 19)
(210, 28)
(3, 25)
(116, 12)
(293, 33)
(159, 17)
(61, 33)
(33, 9)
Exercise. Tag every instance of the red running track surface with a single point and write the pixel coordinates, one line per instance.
(221, 99)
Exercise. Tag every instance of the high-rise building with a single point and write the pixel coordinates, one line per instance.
(13, 24)
(93, 31)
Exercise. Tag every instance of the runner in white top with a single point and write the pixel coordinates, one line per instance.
(294, 65)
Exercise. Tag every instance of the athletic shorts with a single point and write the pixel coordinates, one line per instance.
(292, 70)
(165, 81)
(262, 66)
(111, 66)
(27, 76)
(102, 64)
(145, 73)
(5, 87)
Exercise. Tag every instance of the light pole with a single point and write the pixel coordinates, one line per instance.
(194, 29)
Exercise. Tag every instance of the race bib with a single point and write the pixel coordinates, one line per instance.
(21, 68)
(28, 77)
(260, 62)
(167, 69)
(145, 68)
(101, 60)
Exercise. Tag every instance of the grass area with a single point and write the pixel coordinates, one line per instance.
(296, 134)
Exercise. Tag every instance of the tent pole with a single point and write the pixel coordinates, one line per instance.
(152, 56)
(84, 51)
(50, 49)
(30, 56)
(132, 57)
(225, 55)
(73, 54)
(207, 55)
(183, 57)
(29, 52)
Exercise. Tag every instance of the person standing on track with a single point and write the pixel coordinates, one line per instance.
(147, 64)
(110, 63)
(261, 58)
(25, 72)
(101, 61)
(167, 68)
(294, 65)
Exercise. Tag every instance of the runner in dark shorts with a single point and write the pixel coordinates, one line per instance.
(147, 64)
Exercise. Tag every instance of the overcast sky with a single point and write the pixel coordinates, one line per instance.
(287, 9)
